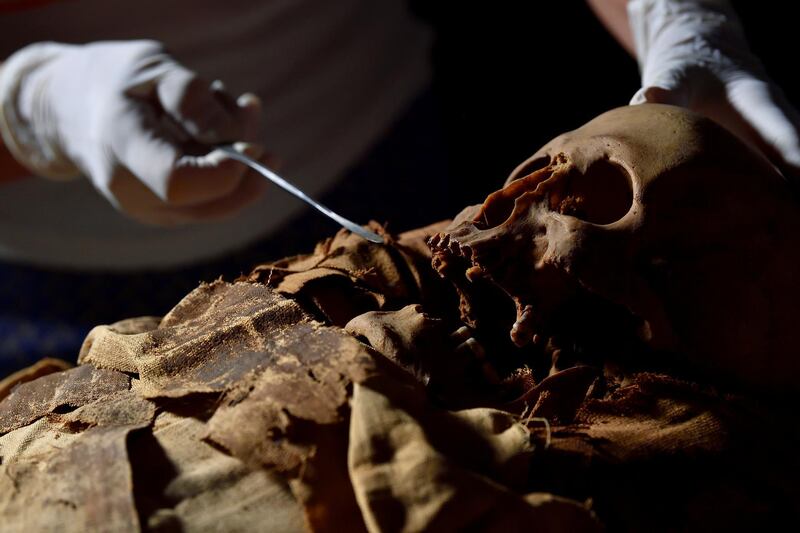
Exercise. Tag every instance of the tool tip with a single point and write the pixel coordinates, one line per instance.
(374, 237)
(361, 231)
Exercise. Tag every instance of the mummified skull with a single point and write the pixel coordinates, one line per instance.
(657, 212)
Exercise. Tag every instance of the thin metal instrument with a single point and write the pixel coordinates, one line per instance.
(285, 185)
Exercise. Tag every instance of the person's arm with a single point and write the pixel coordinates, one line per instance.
(614, 16)
(693, 54)
(133, 120)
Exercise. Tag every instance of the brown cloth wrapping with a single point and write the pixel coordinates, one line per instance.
(249, 408)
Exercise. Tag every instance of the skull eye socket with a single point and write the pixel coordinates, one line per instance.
(601, 195)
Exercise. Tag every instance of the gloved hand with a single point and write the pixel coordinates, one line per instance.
(692, 53)
(134, 121)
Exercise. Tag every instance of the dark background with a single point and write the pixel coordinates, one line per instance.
(510, 76)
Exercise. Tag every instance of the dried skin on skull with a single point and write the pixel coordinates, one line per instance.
(648, 218)
(491, 251)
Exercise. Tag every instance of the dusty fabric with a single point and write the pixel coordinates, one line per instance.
(71, 388)
(196, 487)
(76, 472)
(409, 337)
(417, 468)
(346, 275)
(210, 340)
(309, 382)
(78, 482)
(228, 358)
(656, 452)
(293, 418)
(283, 379)
(45, 366)
(247, 408)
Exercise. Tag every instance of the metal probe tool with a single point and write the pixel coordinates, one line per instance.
(286, 186)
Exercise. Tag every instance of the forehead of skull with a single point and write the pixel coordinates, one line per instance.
(647, 140)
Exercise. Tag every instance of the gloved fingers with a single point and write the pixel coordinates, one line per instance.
(751, 108)
(251, 187)
(204, 111)
(196, 105)
(774, 121)
(139, 142)
(672, 86)
(659, 95)
(248, 109)
(143, 147)
(201, 179)
(131, 196)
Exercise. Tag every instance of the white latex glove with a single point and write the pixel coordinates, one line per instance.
(692, 53)
(133, 120)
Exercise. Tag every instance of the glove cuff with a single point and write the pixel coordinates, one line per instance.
(27, 133)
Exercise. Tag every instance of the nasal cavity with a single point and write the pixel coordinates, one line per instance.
(601, 195)
(499, 205)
